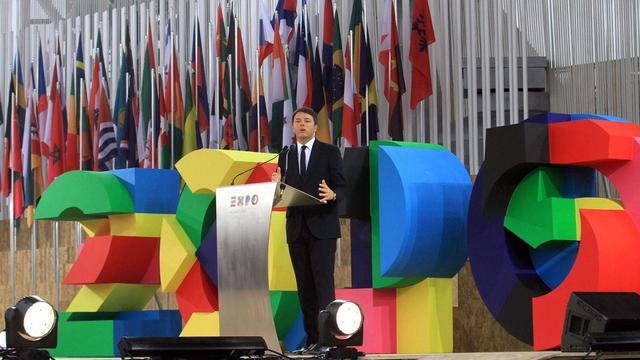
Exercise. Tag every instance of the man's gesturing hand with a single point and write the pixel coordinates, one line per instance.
(325, 193)
(276, 176)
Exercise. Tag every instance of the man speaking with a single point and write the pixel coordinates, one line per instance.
(315, 168)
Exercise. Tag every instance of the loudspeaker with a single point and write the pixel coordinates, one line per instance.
(602, 321)
(189, 348)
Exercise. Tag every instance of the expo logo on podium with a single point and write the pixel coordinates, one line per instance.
(244, 200)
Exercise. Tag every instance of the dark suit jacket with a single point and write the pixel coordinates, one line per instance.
(325, 163)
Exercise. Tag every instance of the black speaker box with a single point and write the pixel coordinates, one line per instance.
(605, 321)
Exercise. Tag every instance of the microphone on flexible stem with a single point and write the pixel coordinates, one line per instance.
(283, 151)
(286, 166)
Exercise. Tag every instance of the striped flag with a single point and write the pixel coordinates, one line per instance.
(349, 119)
(243, 91)
(200, 86)
(277, 92)
(54, 133)
(190, 134)
(391, 60)
(265, 37)
(258, 100)
(302, 60)
(318, 101)
(338, 82)
(286, 14)
(107, 145)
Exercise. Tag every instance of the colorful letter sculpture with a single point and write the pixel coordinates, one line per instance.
(118, 265)
(536, 230)
(419, 199)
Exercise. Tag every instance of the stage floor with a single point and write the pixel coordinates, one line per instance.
(530, 355)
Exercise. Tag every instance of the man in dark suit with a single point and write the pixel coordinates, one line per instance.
(315, 168)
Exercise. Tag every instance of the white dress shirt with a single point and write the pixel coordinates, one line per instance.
(309, 145)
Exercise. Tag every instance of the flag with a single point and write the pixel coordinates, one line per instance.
(258, 100)
(72, 157)
(391, 60)
(174, 100)
(107, 145)
(99, 76)
(338, 84)
(214, 121)
(422, 35)
(120, 105)
(144, 139)
(265, 37)
(232, 97)
(224, 84)
(55, 127)
(6, 176)
(164, 143)
(61, 84)
(327, 53)
(318, 101)
(286, 14)
(287, 129)
(277, 92)
(243, 92)
(302, 60)
(84, 130)
(27, 136)
(190, 134)
(368, 118)
(357, 41)
(15, 165)
(349, 119)
(200, 89)
(43, 103)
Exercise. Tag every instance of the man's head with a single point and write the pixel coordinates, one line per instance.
(305, 124)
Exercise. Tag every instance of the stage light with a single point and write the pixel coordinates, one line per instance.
(31, 323)
(340, 326)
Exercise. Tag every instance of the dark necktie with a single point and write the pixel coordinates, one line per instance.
(303, 161)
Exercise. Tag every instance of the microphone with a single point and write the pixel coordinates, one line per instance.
(283, 151)
(286, 166)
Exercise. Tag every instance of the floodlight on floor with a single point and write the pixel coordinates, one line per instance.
(341, 326)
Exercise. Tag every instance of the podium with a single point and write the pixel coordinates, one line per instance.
(243, 217)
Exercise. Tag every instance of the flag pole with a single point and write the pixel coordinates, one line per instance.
(34, 227)
(257, 88)
(126, 92)
(173, 97)
(152, 151)
(231, 93)
(56, 235)
(81, 123)
(217, 99)
(78, 226)
(209, 66)
(12, 221)
(194, 95)
(352, 77)
(365, 34)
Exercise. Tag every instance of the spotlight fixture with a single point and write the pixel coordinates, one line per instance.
(32, 323)
(340, 326)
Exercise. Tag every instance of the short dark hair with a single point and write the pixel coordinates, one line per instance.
(306, 110)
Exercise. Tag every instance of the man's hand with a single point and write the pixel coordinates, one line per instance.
(276, 176)
(325, 193)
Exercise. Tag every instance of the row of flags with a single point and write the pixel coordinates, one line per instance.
(154, 123)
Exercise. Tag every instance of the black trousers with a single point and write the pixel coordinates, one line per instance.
(313, 262)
